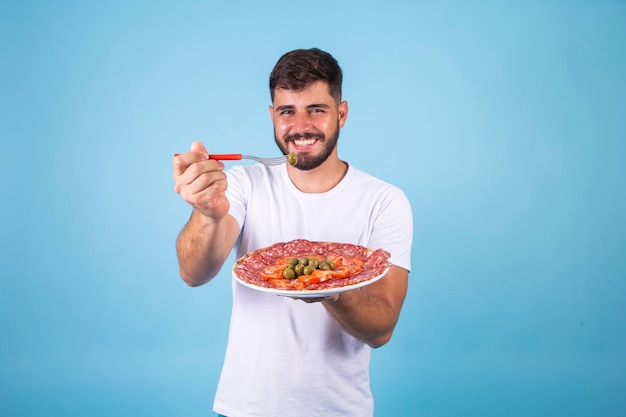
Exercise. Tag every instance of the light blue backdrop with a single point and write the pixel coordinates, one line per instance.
(503, 121)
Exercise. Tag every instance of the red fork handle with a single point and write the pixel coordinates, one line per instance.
(223, 156)
(226, 156)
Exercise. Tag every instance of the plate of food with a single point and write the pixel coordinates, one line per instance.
(307, 269)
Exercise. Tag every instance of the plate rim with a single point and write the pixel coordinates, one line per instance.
(311, 293)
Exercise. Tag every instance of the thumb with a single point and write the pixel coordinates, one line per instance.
(199, 147)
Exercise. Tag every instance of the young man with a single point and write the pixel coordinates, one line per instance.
(289, 357)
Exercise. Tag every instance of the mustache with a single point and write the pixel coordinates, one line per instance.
(306, 135)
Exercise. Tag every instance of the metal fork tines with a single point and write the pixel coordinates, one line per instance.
(267, 161)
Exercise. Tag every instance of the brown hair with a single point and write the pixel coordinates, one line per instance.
(297, 69)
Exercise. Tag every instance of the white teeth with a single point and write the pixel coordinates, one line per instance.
(304, 142)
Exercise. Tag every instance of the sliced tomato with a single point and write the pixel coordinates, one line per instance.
(316, 276)
(284, 260)
(337, 260)
(344, 267)
(320, 275)
(355, 264)
(273, 272)
(341, 271)
(342, 260)
(286, 284)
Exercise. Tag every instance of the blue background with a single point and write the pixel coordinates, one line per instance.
(504, 122)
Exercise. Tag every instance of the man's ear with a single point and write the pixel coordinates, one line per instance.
(271, 109)
(343, 113)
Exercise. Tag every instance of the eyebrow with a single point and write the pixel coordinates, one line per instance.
(310, 106)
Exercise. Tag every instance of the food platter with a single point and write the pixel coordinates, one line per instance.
(247, 269)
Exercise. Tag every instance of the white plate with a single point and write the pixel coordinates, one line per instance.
(309, 293)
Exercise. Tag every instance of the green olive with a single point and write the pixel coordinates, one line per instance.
(331, 265)
(292, 261)
(314, 262)
(304, 261)
(308, 270)
(324, 266)
(289, 273)
(298, 269)
(292, 158)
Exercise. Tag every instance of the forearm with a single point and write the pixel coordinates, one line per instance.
(365, 317)
(370, 313)
(201, 248)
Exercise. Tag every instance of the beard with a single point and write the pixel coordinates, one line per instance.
(306, 160)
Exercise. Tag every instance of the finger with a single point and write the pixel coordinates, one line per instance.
(184, 160)
(206, 193)
(309, 300)
(201, 172)
(199, 148)
(213, 183)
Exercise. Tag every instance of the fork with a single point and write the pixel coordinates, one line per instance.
(237, 156)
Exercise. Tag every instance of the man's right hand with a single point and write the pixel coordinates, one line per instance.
(201, 182)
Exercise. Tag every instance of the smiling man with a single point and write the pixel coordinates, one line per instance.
(289, 357)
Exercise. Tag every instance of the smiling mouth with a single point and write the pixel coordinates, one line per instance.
(304, 140)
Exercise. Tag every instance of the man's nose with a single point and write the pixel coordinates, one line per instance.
(302, 122)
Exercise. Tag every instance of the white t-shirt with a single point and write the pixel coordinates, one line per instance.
(286, 357)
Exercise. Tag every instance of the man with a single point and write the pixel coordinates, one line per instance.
(289, 357)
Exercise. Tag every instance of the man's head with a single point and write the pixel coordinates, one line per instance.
(297, 69)
(307, 111)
